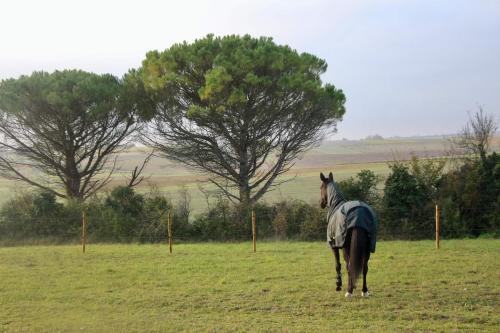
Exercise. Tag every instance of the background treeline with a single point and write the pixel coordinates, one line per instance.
(468, 193)
(239, 109)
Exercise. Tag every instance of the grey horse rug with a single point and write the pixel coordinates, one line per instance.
(344, 215)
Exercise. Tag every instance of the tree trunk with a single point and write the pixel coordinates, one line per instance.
(73, 188)
(245, 208)
(245, 202)
(73, 180)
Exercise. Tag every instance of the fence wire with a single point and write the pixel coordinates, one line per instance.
(272, 223)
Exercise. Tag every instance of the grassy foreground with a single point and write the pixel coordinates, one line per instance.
(284, 287)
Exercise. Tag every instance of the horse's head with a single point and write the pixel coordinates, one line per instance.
(324, 185)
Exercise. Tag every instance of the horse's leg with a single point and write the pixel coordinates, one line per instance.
(365, 272)
(355, 248)
(349, 273)
(338, 267)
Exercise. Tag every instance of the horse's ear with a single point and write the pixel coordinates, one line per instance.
(322, 177)
(330, 177)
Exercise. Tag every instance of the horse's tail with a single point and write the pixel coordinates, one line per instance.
(357, 252)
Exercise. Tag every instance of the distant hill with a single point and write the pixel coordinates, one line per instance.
(343, 157)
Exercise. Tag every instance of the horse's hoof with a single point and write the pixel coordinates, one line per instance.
(338, 289)
(348, 295)
(365, 294)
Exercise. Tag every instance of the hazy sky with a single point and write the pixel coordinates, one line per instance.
(409, 67)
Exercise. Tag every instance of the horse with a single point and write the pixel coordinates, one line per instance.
(352, 226)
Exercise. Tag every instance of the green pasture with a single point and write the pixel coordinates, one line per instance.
(284, 287)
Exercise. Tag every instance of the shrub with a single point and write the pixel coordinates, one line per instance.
(363, 187)
(403, 205)
(220, 222)
(121, 216)
(126, 216)
(470, 197)
(37, 215)
(314, 224)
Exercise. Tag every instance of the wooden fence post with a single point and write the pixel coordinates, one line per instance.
(169, 230)
(437, 226)
(84, 230)
(254, 232)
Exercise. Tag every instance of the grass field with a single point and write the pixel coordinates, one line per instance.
(284, 287)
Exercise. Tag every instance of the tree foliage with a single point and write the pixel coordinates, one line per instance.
(410, 195)
(470, 196)
(363, 187)
(65, 126)
(427, 173)
(240, 108)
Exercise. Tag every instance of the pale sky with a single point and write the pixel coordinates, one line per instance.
(408, 67)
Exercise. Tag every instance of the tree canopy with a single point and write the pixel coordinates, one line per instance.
(240, 108)
(65, 126)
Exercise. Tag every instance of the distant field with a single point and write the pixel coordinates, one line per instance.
(284, 287)
(344, 158)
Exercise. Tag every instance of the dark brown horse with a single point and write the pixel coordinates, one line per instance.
(352, 227)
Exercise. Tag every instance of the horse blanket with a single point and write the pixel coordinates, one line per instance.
(344, 215)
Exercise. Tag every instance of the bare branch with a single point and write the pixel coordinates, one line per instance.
(136, 177)
(476, 136)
